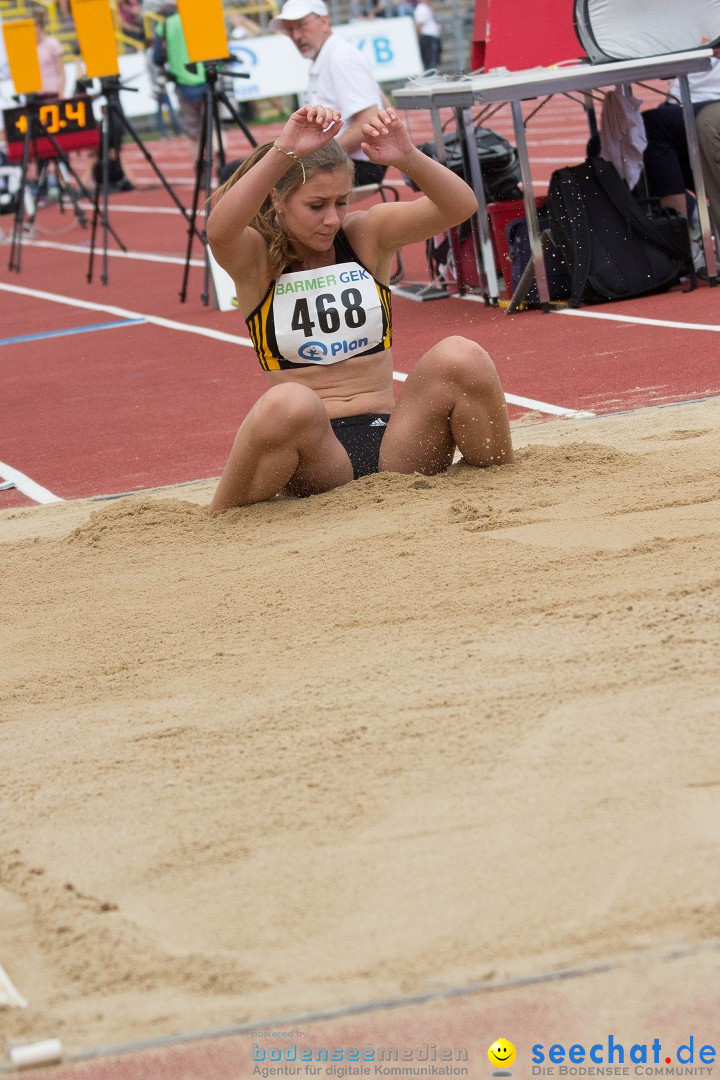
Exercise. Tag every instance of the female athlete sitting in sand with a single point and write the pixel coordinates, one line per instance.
(312, 283)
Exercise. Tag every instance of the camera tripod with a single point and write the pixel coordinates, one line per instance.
(55, 157)
(113, 122)
(214, 97)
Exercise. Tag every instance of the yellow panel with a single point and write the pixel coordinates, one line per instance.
(96, 37)
(21, 46)
(204, 29)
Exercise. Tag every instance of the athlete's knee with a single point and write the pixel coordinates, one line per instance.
(464, 362)
(285, 411)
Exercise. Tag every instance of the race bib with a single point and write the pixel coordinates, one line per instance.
(328, 314)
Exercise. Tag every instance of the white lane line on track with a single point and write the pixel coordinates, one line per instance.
(174, 260)
(553, 410)
(672, 324)
(34, 491)
(529, 403)
(124, 208)
(219, 335)
(124, 313)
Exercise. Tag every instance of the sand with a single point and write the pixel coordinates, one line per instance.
(408, 735)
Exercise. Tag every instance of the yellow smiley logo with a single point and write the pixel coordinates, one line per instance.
(501, 1053)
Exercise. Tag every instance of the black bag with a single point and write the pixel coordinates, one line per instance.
(498, 163)
(614, 247)
(518, 246)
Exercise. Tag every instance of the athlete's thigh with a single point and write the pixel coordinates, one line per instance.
(323, 465)
(416, 442)
(418, 436)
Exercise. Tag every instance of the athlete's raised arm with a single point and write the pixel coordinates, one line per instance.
(446, 201)
(239, 201)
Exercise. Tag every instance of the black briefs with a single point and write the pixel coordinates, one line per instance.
(361, 436)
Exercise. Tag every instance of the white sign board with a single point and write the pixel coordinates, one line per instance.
(391, 46)
(225, 298)
(276, 67)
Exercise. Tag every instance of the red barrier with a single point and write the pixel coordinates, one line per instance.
(518, 35)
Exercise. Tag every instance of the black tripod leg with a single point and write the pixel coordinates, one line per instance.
(106, 223)
(105, 174)
(30, 138)
(222, 96)
(203, 169)
(95, 200)
(66, 190)
(104, 218)
(93, 232)
(199, 165)
(213, 126)
(100, 182)
(150, 160)
(63, 159)
(19, 220)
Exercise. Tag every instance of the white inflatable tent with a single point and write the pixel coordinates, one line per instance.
(629, 29)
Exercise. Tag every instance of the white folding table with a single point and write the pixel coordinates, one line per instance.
(514, 87)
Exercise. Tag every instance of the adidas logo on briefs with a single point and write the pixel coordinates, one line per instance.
(379, 422)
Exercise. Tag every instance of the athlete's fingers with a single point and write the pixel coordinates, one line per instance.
(332, 117)
(320, 115)
(374, 127)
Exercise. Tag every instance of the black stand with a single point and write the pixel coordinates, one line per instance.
(113, 114)
(527, 278)
(214, 96)
(54, 169)
(35, 130)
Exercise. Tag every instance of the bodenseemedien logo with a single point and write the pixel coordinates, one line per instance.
(291, 1059)
(612, 1058)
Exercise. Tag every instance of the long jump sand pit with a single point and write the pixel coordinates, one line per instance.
(408, 735)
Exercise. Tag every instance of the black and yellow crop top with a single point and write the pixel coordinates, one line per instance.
(322, 316)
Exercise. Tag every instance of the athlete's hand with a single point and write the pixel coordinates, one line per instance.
(387, 141)
(309, 129)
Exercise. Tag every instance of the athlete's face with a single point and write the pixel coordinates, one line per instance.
(312, 214)
(309, 34)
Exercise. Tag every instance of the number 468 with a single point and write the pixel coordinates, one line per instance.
(327, 315)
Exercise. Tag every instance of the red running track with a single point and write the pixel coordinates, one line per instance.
(108, 388)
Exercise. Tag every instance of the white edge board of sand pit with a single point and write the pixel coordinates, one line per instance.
(9, 996)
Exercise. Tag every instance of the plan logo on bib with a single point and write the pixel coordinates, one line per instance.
(312, 351)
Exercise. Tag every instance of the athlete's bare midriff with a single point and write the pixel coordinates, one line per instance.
(361, 384)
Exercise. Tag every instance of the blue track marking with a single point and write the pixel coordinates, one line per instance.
(72, 330)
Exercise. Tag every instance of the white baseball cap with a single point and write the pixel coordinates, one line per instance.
(294, 10)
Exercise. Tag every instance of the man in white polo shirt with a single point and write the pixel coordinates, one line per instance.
(340, 77)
